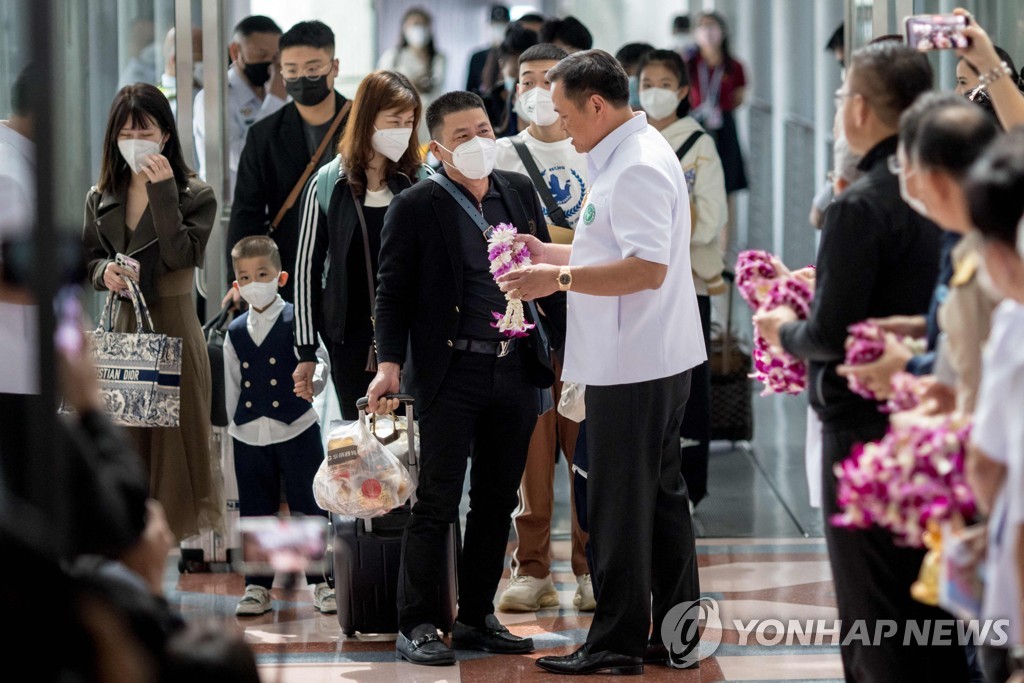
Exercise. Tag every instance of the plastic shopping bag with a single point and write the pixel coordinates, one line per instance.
(359, 477)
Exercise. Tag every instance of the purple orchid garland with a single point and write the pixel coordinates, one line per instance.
(505, 256)
(914, 475)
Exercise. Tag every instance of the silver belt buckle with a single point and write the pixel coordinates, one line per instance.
(504, 348)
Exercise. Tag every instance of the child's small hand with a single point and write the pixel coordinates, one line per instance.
(303, 378)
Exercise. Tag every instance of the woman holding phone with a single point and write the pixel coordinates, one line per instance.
(379, 158)
(148, 218)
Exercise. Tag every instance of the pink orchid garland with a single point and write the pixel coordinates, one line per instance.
(763, 287)
(505, 256)
(915, 474)
(904, 394)
(865, 344)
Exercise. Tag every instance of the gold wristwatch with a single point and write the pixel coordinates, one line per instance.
(564, 279)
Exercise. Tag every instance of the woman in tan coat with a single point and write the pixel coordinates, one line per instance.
(148, 205)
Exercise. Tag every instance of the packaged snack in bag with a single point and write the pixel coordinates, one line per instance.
(359, 477)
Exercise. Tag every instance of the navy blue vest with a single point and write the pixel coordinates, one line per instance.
(267, 384)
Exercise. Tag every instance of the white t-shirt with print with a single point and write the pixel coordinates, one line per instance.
(563, 169)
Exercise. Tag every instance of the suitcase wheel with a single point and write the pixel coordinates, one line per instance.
(349, 632)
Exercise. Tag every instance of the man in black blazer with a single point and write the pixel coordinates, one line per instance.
(476, 391)
(278, 148)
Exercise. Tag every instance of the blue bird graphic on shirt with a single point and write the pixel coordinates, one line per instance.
(561, 194)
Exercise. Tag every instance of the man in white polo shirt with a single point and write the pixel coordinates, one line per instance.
(633, 334)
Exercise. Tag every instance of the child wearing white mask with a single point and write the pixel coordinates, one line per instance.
(417, 57)
(276, 432)
(664, 95)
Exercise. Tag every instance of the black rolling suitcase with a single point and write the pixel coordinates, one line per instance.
(366, 558)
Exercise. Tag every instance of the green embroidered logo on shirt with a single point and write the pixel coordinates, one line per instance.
(589, 214)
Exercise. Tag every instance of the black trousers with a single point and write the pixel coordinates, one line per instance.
(697, 418)
(260, 469)
(638, 511)
(484, 410)
(872, 577)
(348, 372)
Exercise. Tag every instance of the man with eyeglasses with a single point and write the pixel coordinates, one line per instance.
(275, 161)
(255, 89)
(877, 258)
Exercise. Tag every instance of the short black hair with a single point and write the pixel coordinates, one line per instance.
(543, 52)
(631, 54)
(569, 31)
(890, 76)
(23, 93)
(838, 39)
(314, 34)
(518, 39)
(995, 189)
(910, 120)
(256, 246)
(953, 137)
(450, 103)
(531, 18)
(681, 23)
(592, 72)
(257, 23)
(499, 13)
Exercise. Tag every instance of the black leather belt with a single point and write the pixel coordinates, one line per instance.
(499, 348)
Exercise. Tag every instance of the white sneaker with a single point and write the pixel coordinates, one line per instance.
(584, 599)
(323, 599)
(527, 594)
(255, 602)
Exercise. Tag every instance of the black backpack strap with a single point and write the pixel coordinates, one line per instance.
(688, 145)
(555, 213)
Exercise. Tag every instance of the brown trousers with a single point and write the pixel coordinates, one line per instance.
(532, 555)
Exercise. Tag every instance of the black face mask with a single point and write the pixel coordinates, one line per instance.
(306, 92)
(257, 74)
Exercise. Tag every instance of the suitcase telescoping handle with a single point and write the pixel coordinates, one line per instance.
(414, 458)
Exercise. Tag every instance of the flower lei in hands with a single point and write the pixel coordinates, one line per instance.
(505, 256)
(780, 372)
(866, 344)
(914, 475)
(763, 287)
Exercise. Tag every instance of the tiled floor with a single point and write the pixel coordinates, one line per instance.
(760, 555)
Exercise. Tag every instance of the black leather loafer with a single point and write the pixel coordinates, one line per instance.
(584, 662)
(491, 637)
(424, 647)
(657, 653)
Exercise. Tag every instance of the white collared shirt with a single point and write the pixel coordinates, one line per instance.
(637, 206)
(244, 109)
(999, 433)
(18, 324)
(264, 431)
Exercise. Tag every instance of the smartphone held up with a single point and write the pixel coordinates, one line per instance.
(927, 32)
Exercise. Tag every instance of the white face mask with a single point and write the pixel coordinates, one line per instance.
(259, 294)
(473, 158)
(135, 151)
(659, 103)
(913, 202)
(391, 142)
(197, 74)
(683, 42)
(538, 107)
(987, 285)
(498, 33)
(417, 35)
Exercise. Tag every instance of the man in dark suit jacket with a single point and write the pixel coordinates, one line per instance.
(877, 258)
(476, 390)
(278, 148)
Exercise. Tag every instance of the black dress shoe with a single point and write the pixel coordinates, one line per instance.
(491, 637)
(424, 646)
(657, 653)
(584, 662)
